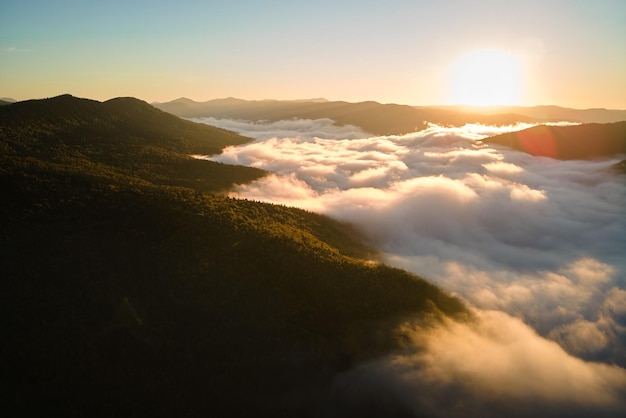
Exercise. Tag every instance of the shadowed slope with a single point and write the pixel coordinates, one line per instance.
(84, 119)
(124, 136)
(568, 142)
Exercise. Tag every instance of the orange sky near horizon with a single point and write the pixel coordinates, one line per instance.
(567, 53)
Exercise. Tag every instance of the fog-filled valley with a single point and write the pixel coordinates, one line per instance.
(323, 209)
(535, 244)
(159, 267)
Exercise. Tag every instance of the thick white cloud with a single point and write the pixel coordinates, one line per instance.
(540, 239)
(495, 367)
(301, 128)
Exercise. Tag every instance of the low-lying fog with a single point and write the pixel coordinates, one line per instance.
(535, 245)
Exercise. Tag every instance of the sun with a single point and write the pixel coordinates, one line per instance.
(486, 77)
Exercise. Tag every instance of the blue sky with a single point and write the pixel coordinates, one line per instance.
(569, 53)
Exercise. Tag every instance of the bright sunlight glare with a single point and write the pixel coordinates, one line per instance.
(486, 77)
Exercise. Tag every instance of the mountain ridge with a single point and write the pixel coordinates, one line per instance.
(373, 117)
(586, 141)
(384, 119)
(552, 113)
(134, 287)
(122, 135)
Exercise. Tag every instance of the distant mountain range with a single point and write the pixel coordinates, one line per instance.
(549, 113)
(383, 119)
(373, 117)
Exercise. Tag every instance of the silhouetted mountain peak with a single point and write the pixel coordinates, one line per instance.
(129, 104)
(230, 100)
(184, 100)
(54, 109)
(85, 120)
(577, 142)
(127, 100)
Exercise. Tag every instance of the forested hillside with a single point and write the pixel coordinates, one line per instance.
(124, 138)
(577, 142)
(131, 288)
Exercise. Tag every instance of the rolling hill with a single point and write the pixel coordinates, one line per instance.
(132, 286)
(125, 137)
(549, 113)
(580, 142)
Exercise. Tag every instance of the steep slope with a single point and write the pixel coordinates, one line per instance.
(123, 295)
(568, 142)
(373, 117)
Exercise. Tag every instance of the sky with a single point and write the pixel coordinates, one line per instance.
(564, 52)
(534, 245)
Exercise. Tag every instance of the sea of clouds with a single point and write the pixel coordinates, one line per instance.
(535, 245)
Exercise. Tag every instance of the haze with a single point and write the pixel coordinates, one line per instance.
(568, 53)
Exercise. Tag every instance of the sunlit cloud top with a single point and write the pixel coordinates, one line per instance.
(538, 238)
(534, 245)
